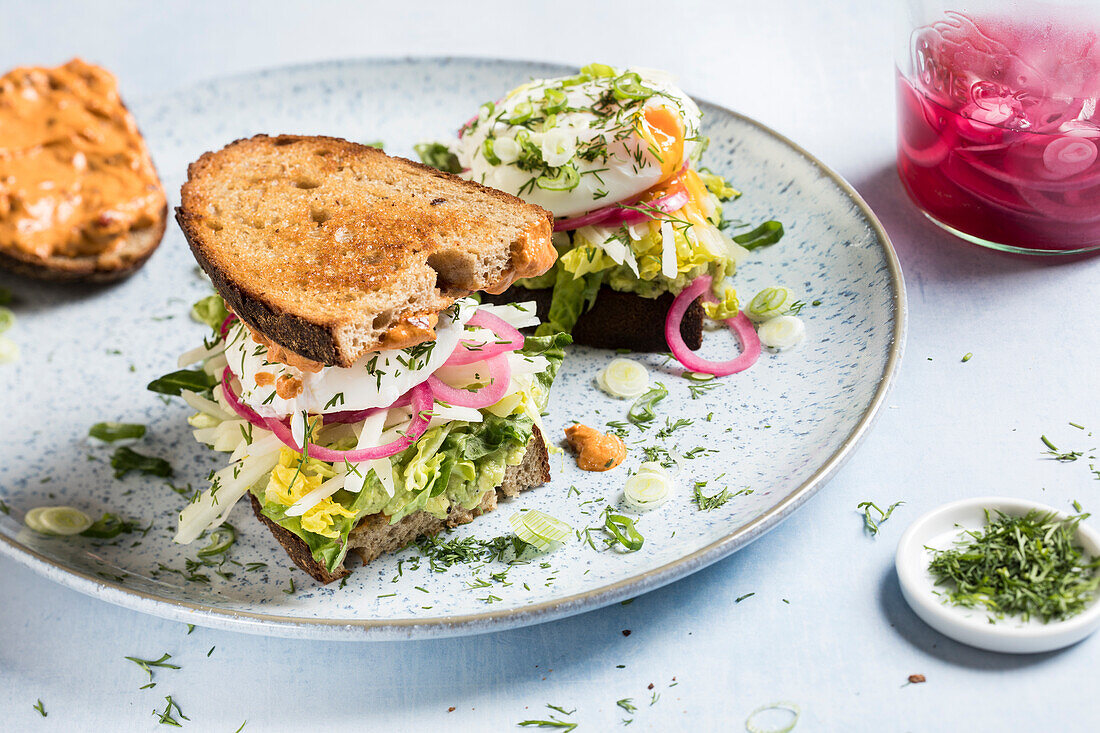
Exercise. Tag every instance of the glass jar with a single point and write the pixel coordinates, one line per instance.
(998, 127)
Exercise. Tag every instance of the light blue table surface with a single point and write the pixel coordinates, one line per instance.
(844, 645)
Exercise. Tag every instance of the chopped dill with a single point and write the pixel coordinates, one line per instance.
(1053, 452)
(871, 524)
(1022, 566)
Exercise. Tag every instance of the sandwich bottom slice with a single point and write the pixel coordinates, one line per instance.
(288, 449)
(374, 535)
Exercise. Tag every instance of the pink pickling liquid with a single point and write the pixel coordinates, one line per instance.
(999, 130)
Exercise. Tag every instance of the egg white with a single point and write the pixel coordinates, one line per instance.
(629, 170)
(375, 380)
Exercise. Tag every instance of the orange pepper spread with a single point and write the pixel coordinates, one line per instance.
(596, 451)
(75, 175)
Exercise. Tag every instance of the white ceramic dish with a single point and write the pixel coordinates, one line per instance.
(782, 428)
(938, 529)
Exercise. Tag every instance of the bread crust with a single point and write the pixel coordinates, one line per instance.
(618, 320)
(374, 535)
(138, 248)
(435, 253)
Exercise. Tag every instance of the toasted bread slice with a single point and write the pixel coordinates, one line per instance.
(79, 196)
(332, 249)
(374, 535)
(137, 247)
(618, 320)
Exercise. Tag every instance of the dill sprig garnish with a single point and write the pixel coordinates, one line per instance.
(707, 503)
(1053, 452)
(172, 708)
(148, 664)
(870, 523)
(1019, 566)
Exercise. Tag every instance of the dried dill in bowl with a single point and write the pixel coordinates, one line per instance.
(1023, 566)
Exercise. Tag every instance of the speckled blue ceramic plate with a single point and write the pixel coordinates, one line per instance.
(780, 429)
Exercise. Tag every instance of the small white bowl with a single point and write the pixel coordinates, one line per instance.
(970, 626)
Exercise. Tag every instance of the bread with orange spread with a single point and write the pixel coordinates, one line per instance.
(333, 249)
(79, 196)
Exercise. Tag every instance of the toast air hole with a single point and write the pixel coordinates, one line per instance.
(320, 216)
(306, 183)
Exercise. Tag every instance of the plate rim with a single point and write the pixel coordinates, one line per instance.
(469, 624)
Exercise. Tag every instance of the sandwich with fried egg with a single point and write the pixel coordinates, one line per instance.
(364, 397)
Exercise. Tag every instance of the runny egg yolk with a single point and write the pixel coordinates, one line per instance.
(664, 131)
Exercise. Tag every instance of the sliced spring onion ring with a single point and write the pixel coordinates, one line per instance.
(629, 86)
(539, 529)
(770, 303)
(642, 410)
(766, 234)
(9, 350)
(487, 151)
(624, 378)
(566, 179)
(57, 520)
(7, 318)
(522, 112)
(782, 332)
(649, 487)
(554, 101)
(221, 539)
(623, 530)
(753, 727)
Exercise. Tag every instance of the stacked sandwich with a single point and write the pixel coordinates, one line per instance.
(363, 397)
(614, 154)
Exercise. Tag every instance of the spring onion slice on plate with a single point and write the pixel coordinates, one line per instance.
(782, 332)
(770, 303)
(539, 529)
(623, 378)
(57, 520)
(649, 487)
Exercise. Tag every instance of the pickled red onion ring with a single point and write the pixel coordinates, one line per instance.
(616, 214)
(422, 400)
(469, 351)
(239, 407)
(500, 374)
(740, 325)
(354, 416)
(224, 328)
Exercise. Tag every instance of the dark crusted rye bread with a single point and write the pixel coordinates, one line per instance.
(374, 535)
(618, 320)
(332, 249)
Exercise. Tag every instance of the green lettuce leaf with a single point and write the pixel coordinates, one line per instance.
(572, 297)
(210, 310)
